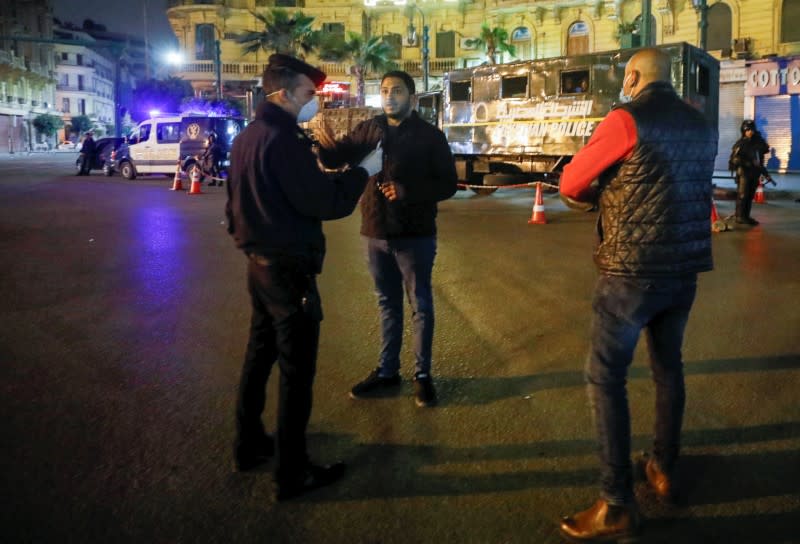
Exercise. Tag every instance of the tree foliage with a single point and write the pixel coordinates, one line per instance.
(282, 33)
(163, 95)
(47, 124)
(80, 124)
(492, 41)
(365, 54)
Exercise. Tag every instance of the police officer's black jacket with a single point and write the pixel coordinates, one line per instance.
(655, 207)
(417, 157)
(278, 196)
(748, 154)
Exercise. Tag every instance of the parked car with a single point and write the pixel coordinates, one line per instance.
(66, 145)
(102, 153)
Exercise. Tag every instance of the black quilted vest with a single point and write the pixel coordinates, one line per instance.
(655, 207)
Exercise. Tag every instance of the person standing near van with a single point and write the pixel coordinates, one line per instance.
(212, 158)
(88, 149)
(277, 200)
(398, 225)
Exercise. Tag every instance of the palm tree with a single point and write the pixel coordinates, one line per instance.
(370, 54)
(282, 33)
(493, 40)
(365, 54)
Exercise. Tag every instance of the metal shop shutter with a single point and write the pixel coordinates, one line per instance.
(731, 108)
(774, 120)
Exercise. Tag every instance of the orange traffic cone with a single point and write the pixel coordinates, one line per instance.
(177, 185)
(759, 198)
(717, 223)
(537, 214)
(195, 187)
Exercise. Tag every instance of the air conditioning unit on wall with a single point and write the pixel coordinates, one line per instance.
(468, 44)
(741, 48)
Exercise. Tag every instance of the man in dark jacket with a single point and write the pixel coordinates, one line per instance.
(88, 149)
(398, 224)
(277, 200)
(655, 236)
(747, 161)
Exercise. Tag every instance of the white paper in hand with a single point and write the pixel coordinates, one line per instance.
(373, 163)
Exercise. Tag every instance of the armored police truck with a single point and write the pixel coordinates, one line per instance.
(523, 121)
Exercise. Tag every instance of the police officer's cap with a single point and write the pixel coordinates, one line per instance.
(296, 65)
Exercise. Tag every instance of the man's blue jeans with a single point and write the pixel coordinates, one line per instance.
(397, 264)
(623, 307)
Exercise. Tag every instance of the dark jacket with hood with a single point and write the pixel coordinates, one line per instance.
(278, 196)
(416, 157)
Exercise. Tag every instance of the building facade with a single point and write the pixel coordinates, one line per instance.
(738, 32)
(85, 83)
(27, 72)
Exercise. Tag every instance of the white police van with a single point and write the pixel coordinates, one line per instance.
(159, 143)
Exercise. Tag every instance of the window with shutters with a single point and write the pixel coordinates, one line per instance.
(446, 44)
(720, 27)
(790, 16)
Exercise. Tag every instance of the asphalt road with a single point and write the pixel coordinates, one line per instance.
(123, 324)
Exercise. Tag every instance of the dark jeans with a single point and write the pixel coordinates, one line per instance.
(284, 328)
(623, 307)
(397, 264)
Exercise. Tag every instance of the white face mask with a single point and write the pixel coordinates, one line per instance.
(625, 98)
(308, 111)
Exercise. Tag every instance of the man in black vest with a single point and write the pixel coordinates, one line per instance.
(654, 237)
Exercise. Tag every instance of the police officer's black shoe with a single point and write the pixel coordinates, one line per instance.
(313, 477)
(247, 456)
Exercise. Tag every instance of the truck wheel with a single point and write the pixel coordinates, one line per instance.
(127, 170)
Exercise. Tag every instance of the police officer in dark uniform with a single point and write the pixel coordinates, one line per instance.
(212, 158)
(747, 161)
(88, 150)
(277, 200)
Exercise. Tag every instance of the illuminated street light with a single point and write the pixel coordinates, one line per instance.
(175, 58)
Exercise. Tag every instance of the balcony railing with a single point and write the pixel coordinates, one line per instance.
(252, 70)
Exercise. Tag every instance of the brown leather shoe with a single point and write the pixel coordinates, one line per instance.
(602, 522)
(660, 481)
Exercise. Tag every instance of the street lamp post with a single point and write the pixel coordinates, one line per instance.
(425, 50)
(218, 68)
(702, 9)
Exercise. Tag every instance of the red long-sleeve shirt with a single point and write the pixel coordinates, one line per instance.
(613, 140)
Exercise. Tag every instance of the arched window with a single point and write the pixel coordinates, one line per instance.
(638, 23)
(720, 26)
(204, 42)
(790, 15)
(521, 40)
(578, 38)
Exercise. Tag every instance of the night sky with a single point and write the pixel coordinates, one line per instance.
(125, 16)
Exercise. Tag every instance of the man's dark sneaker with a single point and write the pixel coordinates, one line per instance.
(424, 392)
(311, 478)
(247, 456)
(374, 385)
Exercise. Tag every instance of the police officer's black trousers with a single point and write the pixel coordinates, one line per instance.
(746, 185)
(284, 328)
